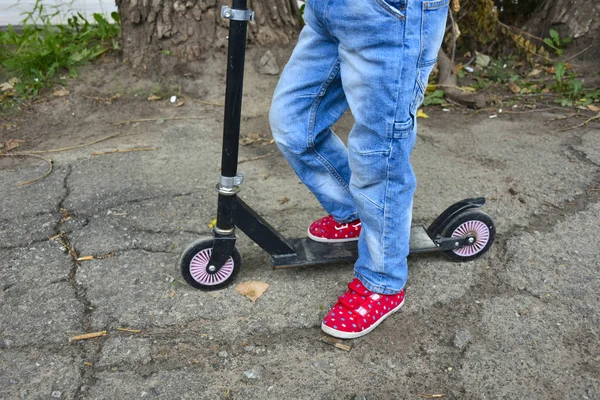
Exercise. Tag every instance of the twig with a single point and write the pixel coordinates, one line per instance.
(99, 153)
(154, 120)
(103, 99)
(89, 336)
(69, 148)
(208, 103)
(580, 53)
(48, 160)
(455, 87)
(578, 126)
(256, 158)
(516, 112)
(129, 330)
(565, 117)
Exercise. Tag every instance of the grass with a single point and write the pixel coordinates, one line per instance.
(38, 54)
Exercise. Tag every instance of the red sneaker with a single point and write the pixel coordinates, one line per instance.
(328, 230)
(359, 311)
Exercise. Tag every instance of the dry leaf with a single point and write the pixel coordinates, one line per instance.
(212, 223)
(13, 144)
(514, 87)
(252, 289)
(153, 98)
(63, 91)
(284, 200)
(172, 293)
(593, 108)
(421, 114)
(6, 86)
(179, 103)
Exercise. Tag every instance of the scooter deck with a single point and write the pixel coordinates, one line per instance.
(310, 252)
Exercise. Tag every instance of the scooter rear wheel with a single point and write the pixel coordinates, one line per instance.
(194, 266)
(473, 223)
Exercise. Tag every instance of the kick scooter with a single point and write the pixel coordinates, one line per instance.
(462, 231)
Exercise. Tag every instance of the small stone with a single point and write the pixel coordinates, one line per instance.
(222, 354)
(462, 339)
(268, 64)
(254, 373)
(56, 394)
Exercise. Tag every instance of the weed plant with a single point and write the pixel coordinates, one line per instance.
(39, 52)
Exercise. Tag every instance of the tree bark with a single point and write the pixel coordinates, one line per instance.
(175, 35)
(579, 19)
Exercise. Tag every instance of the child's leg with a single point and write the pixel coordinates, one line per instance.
(386, 55)
(308, 100)
(387, 49)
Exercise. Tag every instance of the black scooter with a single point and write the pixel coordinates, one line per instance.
(462, 231)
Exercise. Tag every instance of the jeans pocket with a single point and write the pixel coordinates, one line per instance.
(397, 8)
(435, 14)
(403, 129)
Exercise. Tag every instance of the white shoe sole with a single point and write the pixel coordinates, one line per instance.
(353, 335)
(323, 240)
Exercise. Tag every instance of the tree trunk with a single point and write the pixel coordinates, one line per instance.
(175, 35)
(579, 19)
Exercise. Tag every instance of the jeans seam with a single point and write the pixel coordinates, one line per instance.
(371, 201)
(397, 13)
(385, 205)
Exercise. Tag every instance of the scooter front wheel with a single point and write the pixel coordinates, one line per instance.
(473, 223)
(194, 266)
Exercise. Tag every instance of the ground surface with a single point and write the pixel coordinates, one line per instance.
(520, 323)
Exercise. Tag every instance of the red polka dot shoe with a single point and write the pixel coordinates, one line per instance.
(359, 311)
(329, 230)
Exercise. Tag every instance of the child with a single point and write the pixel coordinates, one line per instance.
(373, 56)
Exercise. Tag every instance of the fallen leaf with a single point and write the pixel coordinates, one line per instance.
(252, 289)
(212, 223)
(514, 87)
(179, 103)
(593, 108)
(421, 114)
(13, 144)
(6, 86)
(63, 91)
(284, 200)
(172, 293)
(251, 138)
(153, 98)
(85, 258)
(87, 363)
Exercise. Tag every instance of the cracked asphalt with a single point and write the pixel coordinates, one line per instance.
(522, 322)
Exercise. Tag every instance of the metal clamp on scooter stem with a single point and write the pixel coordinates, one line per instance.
(236, 15)
(229, 185)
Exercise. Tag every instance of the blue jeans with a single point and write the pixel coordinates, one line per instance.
(373, 56)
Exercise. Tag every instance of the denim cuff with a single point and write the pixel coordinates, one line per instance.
(375, 288)
(350, 218)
